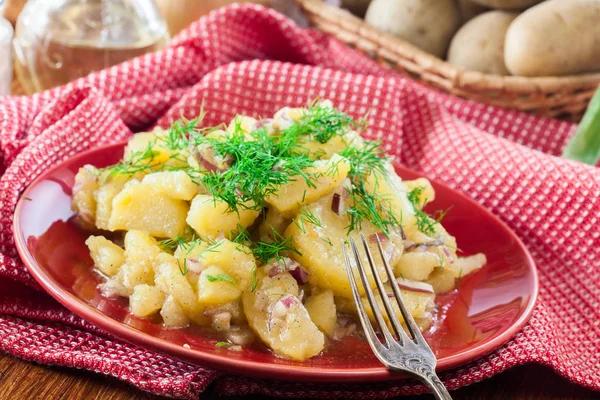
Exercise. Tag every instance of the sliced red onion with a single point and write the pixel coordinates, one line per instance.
(300, 275)
(221, 321)
(413, 286)
(424, 245)
(263, 122)
(278, 267)
(280, 308)
(382, 237)
(402, 233)
(195, 266)
(207, 165)
(335, 203)
(345, 193)
(447, 254)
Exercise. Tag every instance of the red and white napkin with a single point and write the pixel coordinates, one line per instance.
(250, 60)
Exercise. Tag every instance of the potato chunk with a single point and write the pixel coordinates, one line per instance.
(233, 258)
(104, 196)
(417, 265)
(297, 193)
(391, 188)
(282, 322)
(210, 217)
(170, 279)
(320, 247)
(146, 300)
(84, 203)
(321, 308)
(107, 256)
(173, 315)
(150, 148)
(175, 184)
(216, 287)
(142, 207)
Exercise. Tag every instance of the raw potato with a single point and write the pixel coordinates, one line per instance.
(479, 44)
(469, 9)
(556, 37)
(508, 4)
(428, 24)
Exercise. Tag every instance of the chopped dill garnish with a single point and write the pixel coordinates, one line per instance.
(365, 160)
(220, 278)
(372, 207)
(265, 251)
(306, 215)
(223, 345)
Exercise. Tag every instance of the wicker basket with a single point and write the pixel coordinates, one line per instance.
(564, 97)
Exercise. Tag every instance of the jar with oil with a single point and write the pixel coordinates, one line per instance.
(58, 41)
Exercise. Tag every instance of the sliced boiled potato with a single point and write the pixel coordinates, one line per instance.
(104, 196)
(140, 252)
(210, 217)
(322, 311)
(139, 206)
(87, 181)
(146, 300)
(170, 279)
(418, 303)
(274, 223)
(394, 191)
(417, 266)
(328, 173)
(175, 184)
(233, 258)
(427, 194)
(149, 148)
(320, 249)
(173, 315)
(282, 323)
(442, 279)
(107, 256)
(216, 287)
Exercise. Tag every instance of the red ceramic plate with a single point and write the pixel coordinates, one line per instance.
(487, 310)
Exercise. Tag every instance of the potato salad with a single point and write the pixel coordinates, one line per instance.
(239, 228)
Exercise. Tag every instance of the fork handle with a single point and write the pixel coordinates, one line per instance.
(437, 387)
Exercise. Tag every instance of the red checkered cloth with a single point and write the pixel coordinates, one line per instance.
(250, 60)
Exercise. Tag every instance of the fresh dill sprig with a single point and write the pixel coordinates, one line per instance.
(307, 216)
(425, 223)
(370, 206)
(266, 251)
(367, 159)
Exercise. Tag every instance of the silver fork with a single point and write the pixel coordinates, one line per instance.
(409, 355)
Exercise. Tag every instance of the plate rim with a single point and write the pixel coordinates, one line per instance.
(251, 368)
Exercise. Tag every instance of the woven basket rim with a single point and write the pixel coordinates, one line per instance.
(458, 76)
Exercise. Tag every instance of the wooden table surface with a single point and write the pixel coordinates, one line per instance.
(23, 380)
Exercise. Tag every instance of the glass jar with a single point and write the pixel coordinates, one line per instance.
(58, 41)
(6, 36)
